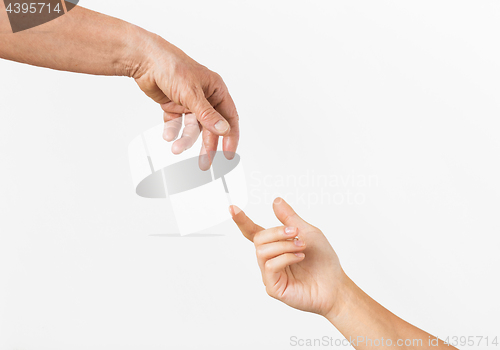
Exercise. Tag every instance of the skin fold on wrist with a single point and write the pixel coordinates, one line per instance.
(134, 62)
(343, 297)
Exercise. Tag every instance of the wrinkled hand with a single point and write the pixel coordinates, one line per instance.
(299, 267)
(182, 86)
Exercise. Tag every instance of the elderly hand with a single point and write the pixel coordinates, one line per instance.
(183, 87)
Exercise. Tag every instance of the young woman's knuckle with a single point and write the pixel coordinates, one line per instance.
(259, 252)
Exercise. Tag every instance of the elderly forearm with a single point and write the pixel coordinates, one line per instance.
(81, 41)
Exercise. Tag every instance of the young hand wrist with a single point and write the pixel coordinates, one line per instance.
(343, 298)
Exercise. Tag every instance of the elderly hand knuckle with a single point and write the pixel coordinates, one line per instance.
(206, 114)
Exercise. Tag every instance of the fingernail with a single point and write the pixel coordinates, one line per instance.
(299, 243)
(299, 255)
(221, 126)
(290, 230)
(234, 210)
(278, 200)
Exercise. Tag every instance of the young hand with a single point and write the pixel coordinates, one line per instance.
(309, 277)
(298, 264)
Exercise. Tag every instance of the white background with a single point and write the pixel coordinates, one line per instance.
(406, 92)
